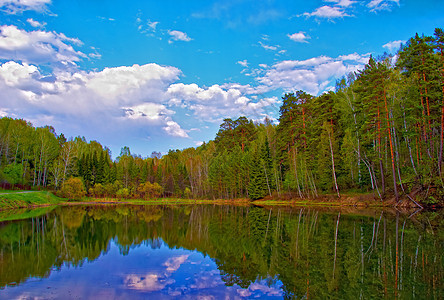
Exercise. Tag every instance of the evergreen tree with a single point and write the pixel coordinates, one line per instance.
(257, 187)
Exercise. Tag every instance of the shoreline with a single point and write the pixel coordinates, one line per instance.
(30, 200)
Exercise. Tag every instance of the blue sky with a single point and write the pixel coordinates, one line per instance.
(160, 75)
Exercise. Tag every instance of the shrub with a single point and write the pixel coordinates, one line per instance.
(123, 193)
(73, 189)
(150, 190)
(97, 191)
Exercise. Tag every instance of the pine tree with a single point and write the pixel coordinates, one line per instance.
(257, 187)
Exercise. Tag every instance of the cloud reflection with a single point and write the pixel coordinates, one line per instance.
(152, 282)
(148, 283)
(174, 263)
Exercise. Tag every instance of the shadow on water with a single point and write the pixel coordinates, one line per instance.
(246, 251)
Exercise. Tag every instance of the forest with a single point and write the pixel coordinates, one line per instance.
(381, 132)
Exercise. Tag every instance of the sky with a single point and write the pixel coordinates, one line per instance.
(160, 75)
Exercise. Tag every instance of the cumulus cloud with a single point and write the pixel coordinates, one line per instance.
(148, 111)
(216, 102)
(173, 129)
(131, 95)
(393, 46)
(13, 73)
(39, 47)
(299, 37)
(139, 96)
(114, 82)
(314, 75)
(177, 35)
(16, 6)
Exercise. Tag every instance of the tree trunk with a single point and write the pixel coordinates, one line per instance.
(333, 164)
(296, 172)
(391, 147)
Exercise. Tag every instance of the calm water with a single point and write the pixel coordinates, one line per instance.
(221, 252)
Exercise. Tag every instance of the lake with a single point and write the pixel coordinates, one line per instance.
(221, 252)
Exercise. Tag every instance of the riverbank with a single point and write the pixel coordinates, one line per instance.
(32, 199)
(28, 199)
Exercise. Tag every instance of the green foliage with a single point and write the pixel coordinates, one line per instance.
(123, 193)
(27, 199)
(13, 173)
(257, 187)
(150, 190)
(98, 190)
(73, 189)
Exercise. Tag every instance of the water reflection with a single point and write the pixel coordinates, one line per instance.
(221, 251)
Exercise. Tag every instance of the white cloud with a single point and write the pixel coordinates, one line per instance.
(147, 282)
(216, 102)
(344, 8)
(243, 63)
(120, 81)
(313, 75)
(152, 25)
(106, 19)
(149, 111)
(393, 46)
(38, 46)
(13, 73)
(328, 12)
(178, 36)
(112, 97)
(35, 23)
(174, 129)
(343, 3)
(152, 282)
(174, 263)
(299, 37)
(377, 5)
(95, 55)
(4, 113)
(16, 6)
(268, 47)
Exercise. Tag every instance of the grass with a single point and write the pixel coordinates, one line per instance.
(14, 199)
(20, 199)
(24, 213)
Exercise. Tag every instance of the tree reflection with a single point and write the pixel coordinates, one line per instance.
(314, 254)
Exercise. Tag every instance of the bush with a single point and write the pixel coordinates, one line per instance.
(97, 191)
(187, 193)
(123, 193)
(150, 190)
(13, 173)
(73, 189)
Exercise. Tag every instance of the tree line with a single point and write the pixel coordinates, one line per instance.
(380, 131)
